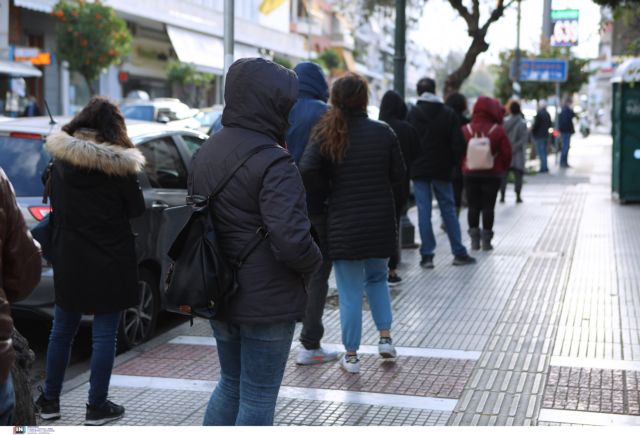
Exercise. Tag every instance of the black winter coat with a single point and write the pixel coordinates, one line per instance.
(393, 111)
(361, 220)
(541, 124)
(94, 193)
(267, 191)
(441, 141)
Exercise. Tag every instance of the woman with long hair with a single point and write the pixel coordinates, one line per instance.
(357, 160)
(94, 192)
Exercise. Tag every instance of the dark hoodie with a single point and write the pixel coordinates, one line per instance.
(488, 112)
(393, 111)
(309, 108)
(311, 105)
(267, 191)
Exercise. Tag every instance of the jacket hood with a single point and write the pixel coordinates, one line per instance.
(430, 98)
(392, 107)
(84, 151)
(488, 109)
(312, 81)
(259, 95)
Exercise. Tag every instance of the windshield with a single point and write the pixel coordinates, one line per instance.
(23, 160)
(143, 113)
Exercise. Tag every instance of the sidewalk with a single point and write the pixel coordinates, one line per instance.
(544, 330)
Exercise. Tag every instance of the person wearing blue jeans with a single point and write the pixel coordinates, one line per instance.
(65, 327)
(541, 149)
(564, 151)
(443, 190)
(252, 362)
(352, 277)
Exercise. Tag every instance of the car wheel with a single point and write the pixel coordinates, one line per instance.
(138, 323)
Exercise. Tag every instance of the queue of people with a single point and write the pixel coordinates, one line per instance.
(329, 193)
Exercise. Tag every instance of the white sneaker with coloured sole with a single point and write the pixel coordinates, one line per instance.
(350, 363)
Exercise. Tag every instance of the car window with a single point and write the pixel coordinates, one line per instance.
(164, 167)
(23, 160)
(193, 143)
(143, 113)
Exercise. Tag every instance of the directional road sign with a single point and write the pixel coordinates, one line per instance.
(542, 70)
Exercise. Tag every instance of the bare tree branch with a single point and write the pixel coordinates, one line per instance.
(462, 10)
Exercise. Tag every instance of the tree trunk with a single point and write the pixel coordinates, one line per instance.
(455, 79)
(89, 86)
(24, 414)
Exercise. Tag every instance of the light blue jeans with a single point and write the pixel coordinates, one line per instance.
(444, 195)
(252, 362)
(354, 278)
(7, 402)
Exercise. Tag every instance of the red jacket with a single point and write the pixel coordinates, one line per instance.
(488, 112)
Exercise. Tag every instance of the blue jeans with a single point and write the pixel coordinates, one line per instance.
(7, 402)
(65, 327)
(354, 277)
(444, 195)
(252, 362)
(564, 152)
(541, 149)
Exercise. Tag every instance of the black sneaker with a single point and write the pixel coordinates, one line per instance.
(47, 409)
(99, 415)
(394, 280)
(463, 260)
(427, 262)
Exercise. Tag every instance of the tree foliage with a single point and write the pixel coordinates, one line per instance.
(187, 74)
(477, 27)
(330, 59)
(578, 76)
(90, 37)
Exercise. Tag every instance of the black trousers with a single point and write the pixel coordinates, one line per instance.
(519, 175)
(482, 193)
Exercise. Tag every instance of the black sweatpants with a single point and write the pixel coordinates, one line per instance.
(482, 193)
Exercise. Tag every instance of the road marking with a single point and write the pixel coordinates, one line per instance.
(588, 418)
(592, 363)
(375, 399)
(364, 349)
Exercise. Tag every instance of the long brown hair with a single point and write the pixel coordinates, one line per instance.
(349, 93)
(105, 118)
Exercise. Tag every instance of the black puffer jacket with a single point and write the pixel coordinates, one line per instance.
(361, 214)
(267, 191)
(441, 141)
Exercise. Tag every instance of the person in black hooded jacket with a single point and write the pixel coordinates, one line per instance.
(255, 329)
(393, 111)
(359, 160)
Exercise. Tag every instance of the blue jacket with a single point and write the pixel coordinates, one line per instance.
(311, 105)
(307, 111)
(565, 122)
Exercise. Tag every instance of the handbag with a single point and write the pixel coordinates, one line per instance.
(200, 280)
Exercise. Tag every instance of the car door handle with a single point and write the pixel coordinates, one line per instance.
(159, 205)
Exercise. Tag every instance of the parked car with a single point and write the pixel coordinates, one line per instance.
(170, 111)
(210, 119)
(164, 183)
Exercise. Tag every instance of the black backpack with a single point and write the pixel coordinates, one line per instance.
(200, 279)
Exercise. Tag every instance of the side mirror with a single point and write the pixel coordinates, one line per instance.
(163, 119)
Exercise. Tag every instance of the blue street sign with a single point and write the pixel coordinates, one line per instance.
(542, 70)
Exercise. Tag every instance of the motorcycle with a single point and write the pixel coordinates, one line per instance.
(584, 128)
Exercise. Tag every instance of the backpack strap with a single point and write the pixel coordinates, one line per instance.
(493, 127)
(469, 129)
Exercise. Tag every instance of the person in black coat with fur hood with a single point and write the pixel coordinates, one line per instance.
(94, 192)
(255, 329)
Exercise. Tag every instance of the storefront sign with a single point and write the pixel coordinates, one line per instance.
(33, 55)
(565, 27)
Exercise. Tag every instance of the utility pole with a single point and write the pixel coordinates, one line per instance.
(517, 88)
(400, 58)
(546, 22)
(228, 39)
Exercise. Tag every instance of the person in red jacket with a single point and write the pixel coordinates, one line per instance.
(482, 185)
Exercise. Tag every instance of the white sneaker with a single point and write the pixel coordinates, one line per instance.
(308, 357)
(350, 363)
(386, 349)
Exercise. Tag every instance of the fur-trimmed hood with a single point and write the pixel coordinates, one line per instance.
(83, 150)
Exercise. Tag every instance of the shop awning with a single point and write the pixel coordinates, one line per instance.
(18, 69)
(45, 6)
(205, 52)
